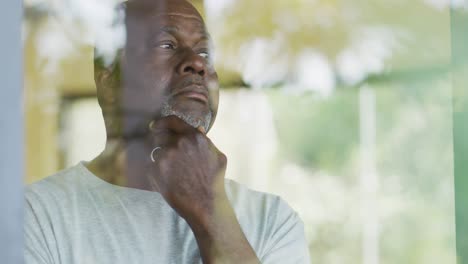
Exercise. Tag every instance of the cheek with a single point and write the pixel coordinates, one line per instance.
(155, 81)
(147, 93)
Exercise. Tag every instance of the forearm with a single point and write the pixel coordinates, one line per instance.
(190, 176)
(220, 237)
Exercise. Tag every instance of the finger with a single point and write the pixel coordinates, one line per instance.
(171, 123)
(162, 139)
(202, 129)
(161, 133)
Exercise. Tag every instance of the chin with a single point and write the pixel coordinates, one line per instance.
(193, 116)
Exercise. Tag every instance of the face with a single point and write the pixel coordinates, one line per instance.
(167, 65)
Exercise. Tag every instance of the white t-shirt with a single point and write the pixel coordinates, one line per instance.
(76, 217)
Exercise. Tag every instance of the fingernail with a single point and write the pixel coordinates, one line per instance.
(202, 129)
(151, 125)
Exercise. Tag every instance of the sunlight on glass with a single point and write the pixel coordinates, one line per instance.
(343, 108)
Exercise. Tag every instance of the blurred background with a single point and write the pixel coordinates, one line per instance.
(343, 108)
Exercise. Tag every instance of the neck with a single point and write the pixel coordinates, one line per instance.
(123, 162)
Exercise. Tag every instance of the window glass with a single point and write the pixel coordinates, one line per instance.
(342, 108)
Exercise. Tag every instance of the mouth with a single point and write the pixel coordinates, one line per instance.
(195, 92)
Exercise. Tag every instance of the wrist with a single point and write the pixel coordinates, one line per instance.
(220, 237)
(213, 217)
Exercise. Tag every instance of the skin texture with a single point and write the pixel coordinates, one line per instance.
(167, 52)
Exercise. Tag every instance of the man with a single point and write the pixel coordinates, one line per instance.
(157, 192)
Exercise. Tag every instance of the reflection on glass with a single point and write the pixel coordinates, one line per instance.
(342, 108)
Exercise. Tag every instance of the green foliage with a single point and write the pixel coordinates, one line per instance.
(421, 32)
(316, 132)
(414, 164)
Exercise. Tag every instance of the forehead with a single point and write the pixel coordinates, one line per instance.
(177, 21)
(159, 16)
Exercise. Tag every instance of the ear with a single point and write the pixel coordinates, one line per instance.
(108, 81)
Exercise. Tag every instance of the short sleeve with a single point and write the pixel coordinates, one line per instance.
(287, 242)
(35, 245)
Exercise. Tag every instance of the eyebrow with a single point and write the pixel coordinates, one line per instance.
(169, 29)
(179, 14)
(173, 30)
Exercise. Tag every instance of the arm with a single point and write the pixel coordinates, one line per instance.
(35, 249)
(286, 241)
(189, 174)
(220, 237)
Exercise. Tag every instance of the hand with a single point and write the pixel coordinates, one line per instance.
(189, 173)
(188, 170)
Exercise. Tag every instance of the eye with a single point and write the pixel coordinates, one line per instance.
(167, 45)
(204, 54)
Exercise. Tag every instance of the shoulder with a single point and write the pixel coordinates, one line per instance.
(44, 218)
(55, 189)
(272, 227)
(267, 203)
(58, 180)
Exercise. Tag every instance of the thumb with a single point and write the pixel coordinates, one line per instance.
(201, 129)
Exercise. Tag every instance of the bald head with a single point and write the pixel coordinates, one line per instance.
(162, 7)
(149, 14)
(167, 53)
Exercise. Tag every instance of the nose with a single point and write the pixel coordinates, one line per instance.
(193, 64)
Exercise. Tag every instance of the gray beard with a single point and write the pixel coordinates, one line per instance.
(204, 122)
